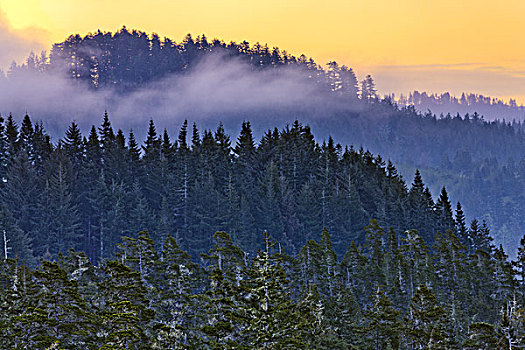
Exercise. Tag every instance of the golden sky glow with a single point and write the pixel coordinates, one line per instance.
(435, 46)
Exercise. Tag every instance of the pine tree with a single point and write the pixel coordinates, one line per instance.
(19, 193)
(4, 149)
(15, 242)
(124, 315)
(427, 325)
(375, 243)
(450, 269)
(133, 147)
(25, 137)
(480, 237)
(66, 318)
(443, 209)
(519, 264)
(107, 135)
(271, 320)
(416, 261)
(482, 336)
(354, 268)
(226, 267)
(176, 310)
(58, 224)
(73, 144)
(461, 227)
(383, 330)
(11, 132)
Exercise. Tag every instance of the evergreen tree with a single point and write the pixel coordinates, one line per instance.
(60, 313)
(272, 322)
(383, 330)
(176, 310)
(427, 324)
(73, 144)
(482, 336)
(123, 310)
(15, 242)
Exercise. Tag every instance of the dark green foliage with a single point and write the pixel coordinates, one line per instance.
(124, 312)
(482, 336)
(384, 328)
(301, 291)
(150, 300)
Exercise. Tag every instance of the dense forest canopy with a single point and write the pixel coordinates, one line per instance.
(356, 258)
(87, 191)
(131, 74)
(393, 292)
(260, 237)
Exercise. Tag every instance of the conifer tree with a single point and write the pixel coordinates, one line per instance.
(4, 149)
(15, 242)
(427, 324)
(57, 224)
(124, 315)
(73, 144)
(176, 310)
(11, 132)
(66, 319)
(383, 330)
(271, 322)
(481, 336)
(461, 226)
(226, 269)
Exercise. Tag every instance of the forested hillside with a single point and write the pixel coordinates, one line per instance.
(108, 243)
(480, 162)
(85, 192)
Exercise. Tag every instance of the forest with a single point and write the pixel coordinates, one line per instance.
(481, 162)
(86, 192)
(110, 244)
(255, 232)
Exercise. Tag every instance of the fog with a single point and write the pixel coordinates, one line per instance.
(215, 89)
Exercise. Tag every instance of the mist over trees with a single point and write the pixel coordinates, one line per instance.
(253, 232)
(140, 76)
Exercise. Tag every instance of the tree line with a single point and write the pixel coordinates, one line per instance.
(128, 59)
(391, 292)
(393, 267)
(87, 192)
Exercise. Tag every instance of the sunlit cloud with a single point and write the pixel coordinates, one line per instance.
(15, 45)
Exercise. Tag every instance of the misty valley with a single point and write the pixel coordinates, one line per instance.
(212, 195)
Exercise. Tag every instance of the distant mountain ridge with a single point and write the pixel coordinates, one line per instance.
(489, 107)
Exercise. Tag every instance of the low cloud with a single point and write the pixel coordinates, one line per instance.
(217, 88)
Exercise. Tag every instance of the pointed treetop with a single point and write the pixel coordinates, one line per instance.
(183, 134)
(195, 138)
(133, 147)
(106, 131)
(418, 185)
(245, 144)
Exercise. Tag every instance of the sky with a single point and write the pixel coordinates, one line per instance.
(434, 46)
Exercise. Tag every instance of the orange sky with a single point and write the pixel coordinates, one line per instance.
(433, 46)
